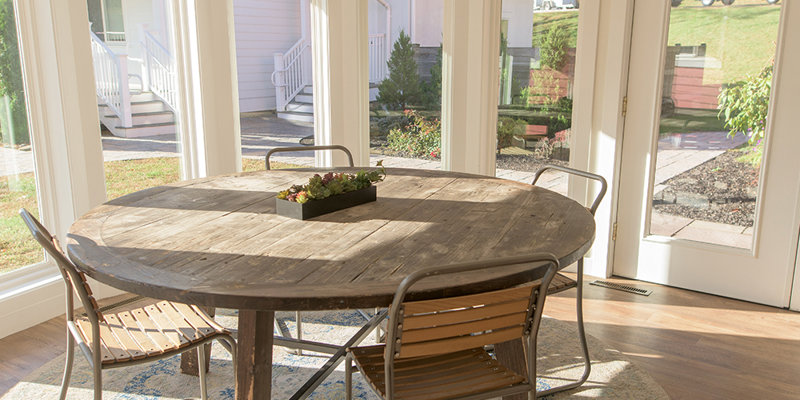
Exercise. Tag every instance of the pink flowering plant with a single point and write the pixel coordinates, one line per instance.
(331, 184)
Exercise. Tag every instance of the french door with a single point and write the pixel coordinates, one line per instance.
(700, 208)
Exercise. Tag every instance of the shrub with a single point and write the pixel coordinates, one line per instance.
(744, 105)
(11, 79)
(507, 128)
(420, 137)
(402, 87)
(553, 47)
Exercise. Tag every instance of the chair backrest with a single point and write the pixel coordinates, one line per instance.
(445, 325)
(310, 148)
(74, 279)
(603, 185)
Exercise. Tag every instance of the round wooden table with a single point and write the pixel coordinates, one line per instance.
(217, 242)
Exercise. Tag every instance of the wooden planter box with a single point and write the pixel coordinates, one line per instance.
(314, 208)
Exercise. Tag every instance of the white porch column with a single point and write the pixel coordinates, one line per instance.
(340, 57)
(62, 108)
(208, 118)
(470, 84)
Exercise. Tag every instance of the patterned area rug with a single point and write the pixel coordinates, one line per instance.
(613, 375)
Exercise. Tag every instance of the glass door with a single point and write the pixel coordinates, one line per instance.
(699, 206)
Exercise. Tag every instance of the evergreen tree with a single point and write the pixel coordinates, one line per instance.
(432, 91)
(402, 87)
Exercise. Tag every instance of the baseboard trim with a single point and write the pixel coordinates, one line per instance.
(40, 302)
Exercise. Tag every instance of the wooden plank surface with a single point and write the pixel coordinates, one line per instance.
(218, 242)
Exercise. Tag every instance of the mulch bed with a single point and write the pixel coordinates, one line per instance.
(720, 190)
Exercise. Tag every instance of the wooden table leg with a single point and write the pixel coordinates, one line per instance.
(254, 364)
(512, 355)
(189, 358)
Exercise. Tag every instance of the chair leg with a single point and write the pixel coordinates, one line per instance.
(98, 380)
(299, 330)
(348, 377)
(587, 367)
(230, 344)
(587, 362)
(68, 366)
(201, 370)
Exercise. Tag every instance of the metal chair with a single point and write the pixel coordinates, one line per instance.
(435, 348)
(309, 148)
(146, 333)
(561, 282)
(298, 318)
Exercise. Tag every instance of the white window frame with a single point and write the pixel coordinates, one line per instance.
(65, 128)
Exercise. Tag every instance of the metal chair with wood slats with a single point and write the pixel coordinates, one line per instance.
(309, 148)
(144, 333)
(298, 318)
(435, 348)
(561, 282)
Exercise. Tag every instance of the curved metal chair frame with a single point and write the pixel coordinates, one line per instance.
(308, 148)
(443, 330)
(579, 283)
(298, 318)
(76, 283)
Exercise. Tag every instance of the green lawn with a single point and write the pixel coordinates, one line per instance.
(690, 120)
(18, 249)
(742, 36)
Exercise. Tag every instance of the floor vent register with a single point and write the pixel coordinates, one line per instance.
(624, 288)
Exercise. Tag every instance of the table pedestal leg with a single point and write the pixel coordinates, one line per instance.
(189, 358)
(254, 364)
(512, 355)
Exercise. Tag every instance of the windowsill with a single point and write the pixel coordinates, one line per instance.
(27, 278)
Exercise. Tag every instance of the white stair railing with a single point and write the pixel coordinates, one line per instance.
(377, 58)
(289, 76)
(159, 70)
(111, 78)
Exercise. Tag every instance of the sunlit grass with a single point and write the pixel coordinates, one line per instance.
(17, 247)
(741, 36)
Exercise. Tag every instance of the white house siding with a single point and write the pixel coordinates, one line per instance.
(427, 23)
(263, 27)
(422, 20)
(519, 14)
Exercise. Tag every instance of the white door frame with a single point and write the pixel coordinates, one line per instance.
(733, 272)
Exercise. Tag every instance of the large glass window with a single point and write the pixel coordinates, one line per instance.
(17, 180)
(137, 96)
(106, 19)
(405, 79)
(715, 98)
(273, 58)
(537, 64)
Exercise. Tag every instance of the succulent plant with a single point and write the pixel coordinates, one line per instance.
(332, 184)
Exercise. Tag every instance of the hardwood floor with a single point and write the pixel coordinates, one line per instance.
(696, 346)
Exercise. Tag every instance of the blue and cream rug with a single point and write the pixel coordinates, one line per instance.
(613, 375)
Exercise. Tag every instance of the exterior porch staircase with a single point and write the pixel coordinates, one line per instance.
(149, 114)
(301, 108)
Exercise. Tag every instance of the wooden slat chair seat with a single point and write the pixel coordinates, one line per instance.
(142, 333)
(561, 282)
(155, 329)
(435, 348)
(436, 377)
